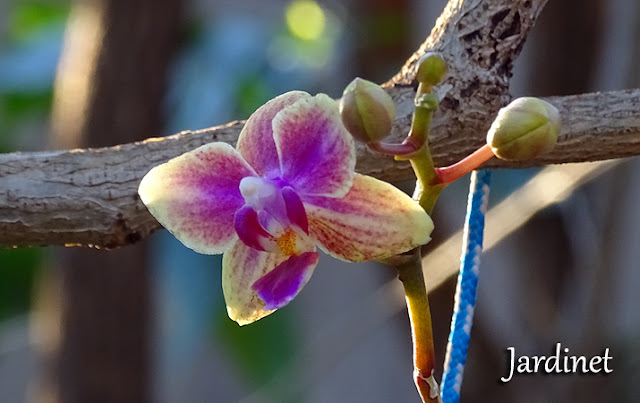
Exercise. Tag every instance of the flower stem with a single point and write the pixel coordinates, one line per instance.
(420, 124)
(410, 273)
(409, 266)
(428, 186)
(451, 173)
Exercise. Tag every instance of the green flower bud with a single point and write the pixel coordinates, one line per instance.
(431, 69)
(367, 111)
(524, 129)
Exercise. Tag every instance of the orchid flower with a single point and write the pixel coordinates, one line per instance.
(288, 187)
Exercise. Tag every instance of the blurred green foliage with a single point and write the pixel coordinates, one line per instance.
(29, 17)
(18, 270)
(252, 92)
(262, 349)
(18, 108)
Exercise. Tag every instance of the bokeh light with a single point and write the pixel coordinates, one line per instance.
(305, 19)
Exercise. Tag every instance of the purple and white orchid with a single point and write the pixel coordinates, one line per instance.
(288, 187)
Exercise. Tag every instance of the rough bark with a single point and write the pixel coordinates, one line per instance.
(89, 196)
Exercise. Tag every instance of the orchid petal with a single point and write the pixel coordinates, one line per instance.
(256, 143)
(295, 209)
(242, 266)
(374, 220)
(196, 195)
(278, 287)
(317, 154)
(251, 232)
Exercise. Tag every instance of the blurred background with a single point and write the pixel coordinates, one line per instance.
(148, 323)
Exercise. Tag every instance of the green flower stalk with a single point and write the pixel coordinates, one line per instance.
(524, 129)
(431, 71)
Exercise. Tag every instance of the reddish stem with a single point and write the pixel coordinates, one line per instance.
(405, 149)
(468, 164)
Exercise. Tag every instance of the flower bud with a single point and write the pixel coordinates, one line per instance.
(367, 111)
(431, 69)
(524, 129)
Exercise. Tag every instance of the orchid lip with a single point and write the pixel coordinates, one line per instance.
(273, 211)
(250, 230)
(281, 285)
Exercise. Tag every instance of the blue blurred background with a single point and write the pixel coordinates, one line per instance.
(343, 339)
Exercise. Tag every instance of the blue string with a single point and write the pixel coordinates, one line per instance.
(465, 300)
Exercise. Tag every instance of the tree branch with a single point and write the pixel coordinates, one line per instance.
(89, 196)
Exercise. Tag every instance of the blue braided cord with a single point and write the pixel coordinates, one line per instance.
(465, 300)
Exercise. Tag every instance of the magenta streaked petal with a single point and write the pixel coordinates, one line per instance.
(256, 142)
(278, 287)
(295, 209)
(317, 154)
(196, 195)
(242, 266)
(374, 220)
(251, 232)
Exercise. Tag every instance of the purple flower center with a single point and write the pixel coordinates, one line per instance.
(273, 217)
